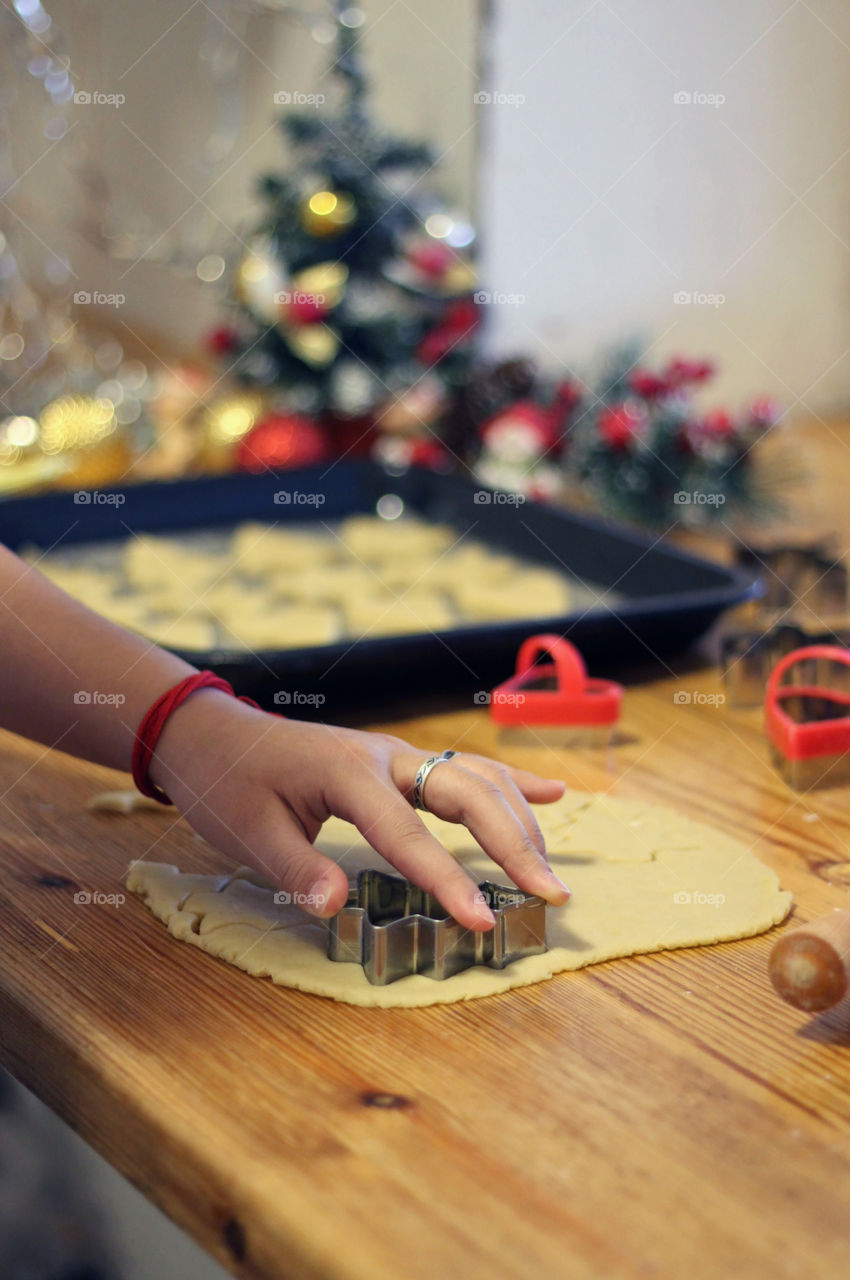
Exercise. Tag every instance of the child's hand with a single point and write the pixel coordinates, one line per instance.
(259, 788)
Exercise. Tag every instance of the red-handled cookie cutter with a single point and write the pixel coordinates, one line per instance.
(807, 722)
(555, 693)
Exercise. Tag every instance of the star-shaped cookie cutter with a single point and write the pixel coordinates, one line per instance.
(394, 929)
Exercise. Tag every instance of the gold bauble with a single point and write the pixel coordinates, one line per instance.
(224, 424)
(327, 213)
(315, 344)
(326, 280)
(259, 282)
(460, 277)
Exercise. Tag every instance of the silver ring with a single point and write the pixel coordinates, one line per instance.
(422, 776)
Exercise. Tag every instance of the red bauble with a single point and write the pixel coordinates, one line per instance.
(431, 258)
(621, 424)
(459, 322)
(282, 440)
(307, 308)
(221, 341)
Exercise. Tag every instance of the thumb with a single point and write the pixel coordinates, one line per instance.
(272, 842)
(314, 882)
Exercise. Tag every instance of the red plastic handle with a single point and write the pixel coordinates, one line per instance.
(810, 738)
(568, 662)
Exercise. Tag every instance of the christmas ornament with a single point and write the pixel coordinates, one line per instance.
(223, 425)
(315, 344)
(433, 268)
(456, 328)
(328, 213)
(315, 292)
(259, 282)
(279, 441)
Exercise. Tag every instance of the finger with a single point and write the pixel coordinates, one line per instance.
(536, 790)
(501, 775)
(384, 818)
(458, 794)
(272, 841)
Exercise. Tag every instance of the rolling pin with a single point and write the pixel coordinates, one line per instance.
(810, 966)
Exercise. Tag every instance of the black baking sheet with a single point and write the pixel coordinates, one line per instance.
(656, 598)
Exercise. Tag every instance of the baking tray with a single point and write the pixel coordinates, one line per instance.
(659, 598)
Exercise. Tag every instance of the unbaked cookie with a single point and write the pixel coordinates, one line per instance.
(533, 594)
(371, 539)
(285, 628)
(261, 549)
(376, 615)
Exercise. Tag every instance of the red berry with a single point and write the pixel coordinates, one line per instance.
(765, 412)
(718, 422)
(619, 425)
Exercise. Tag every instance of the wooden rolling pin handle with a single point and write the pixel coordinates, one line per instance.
(810, 966)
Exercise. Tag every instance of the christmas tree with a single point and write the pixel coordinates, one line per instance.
(355, 298)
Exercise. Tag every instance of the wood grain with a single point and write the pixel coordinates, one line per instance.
(664, 1116)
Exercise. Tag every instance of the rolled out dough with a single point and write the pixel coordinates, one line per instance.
(643, 879)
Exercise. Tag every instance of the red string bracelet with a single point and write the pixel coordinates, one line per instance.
(154, 721)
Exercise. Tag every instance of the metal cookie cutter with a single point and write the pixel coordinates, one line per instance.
(807, 716)
(747, 657)
(802, 580)
(393, 928)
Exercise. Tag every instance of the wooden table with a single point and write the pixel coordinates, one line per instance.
(663, 1116)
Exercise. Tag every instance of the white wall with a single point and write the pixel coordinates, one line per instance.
(601, 197)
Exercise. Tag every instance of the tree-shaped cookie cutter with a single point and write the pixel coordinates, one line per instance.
(394, 929)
